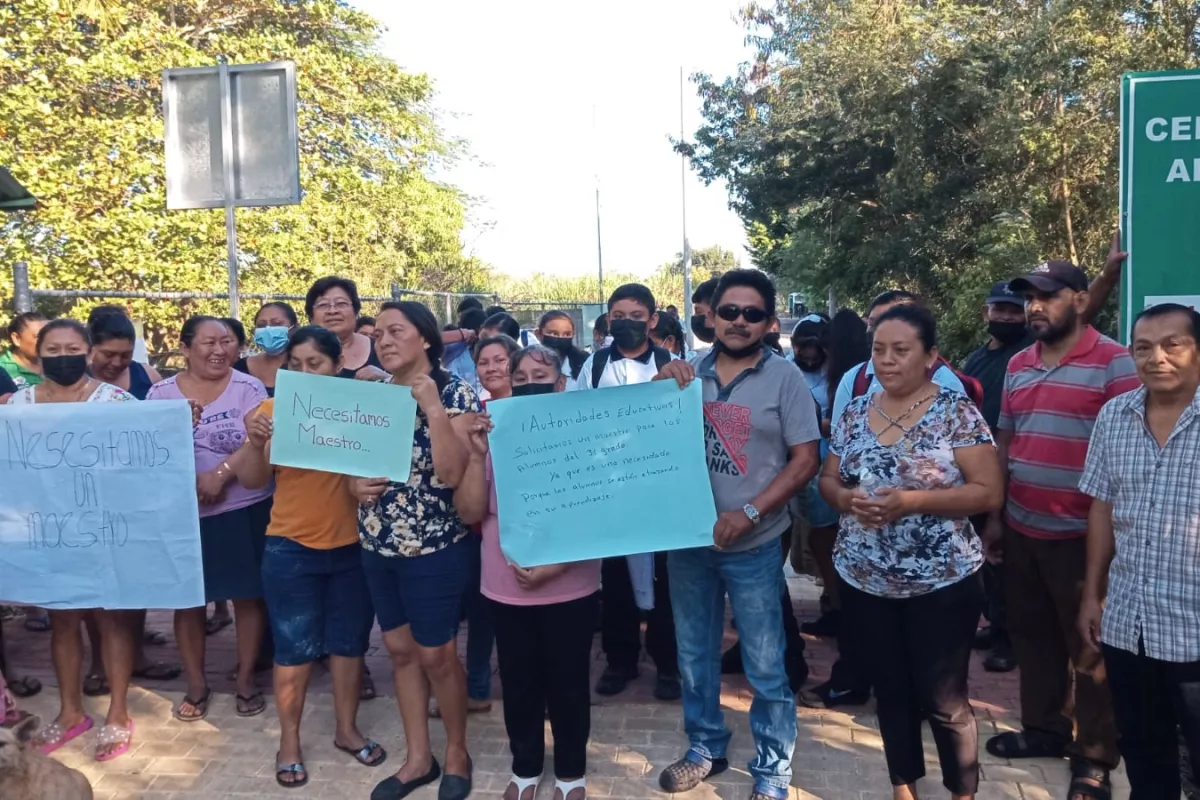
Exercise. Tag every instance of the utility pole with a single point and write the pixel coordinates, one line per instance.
(599, 248)
(687, 250)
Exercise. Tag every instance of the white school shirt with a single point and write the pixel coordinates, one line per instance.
(619, 371)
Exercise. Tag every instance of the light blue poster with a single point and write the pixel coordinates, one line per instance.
(582, 475)
(99, 506)
(360, 428)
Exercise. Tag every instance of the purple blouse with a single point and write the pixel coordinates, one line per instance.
(221, 431)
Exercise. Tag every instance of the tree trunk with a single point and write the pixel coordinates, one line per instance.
(1065, 184)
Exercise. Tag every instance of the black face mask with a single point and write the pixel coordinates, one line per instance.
(740, 352)
(1007, 332)
(701, 330)
(628, 334)
(64, 370)
(527, 389)
(560, 344)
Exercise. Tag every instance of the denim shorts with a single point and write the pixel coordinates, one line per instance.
(317, 601)
(425, 592)
(820, 513)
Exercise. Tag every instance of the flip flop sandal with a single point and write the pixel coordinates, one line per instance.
(200, 705)
(295, 770)
(1025, 744)
(158, 671)
(53, 736)
(25, 687)
(214, 625)
(96, 685)
(1089, 781)
(363, 754)
(113, 735)
(523, 785)
(563, 789)
(250, 706)
(155, 638)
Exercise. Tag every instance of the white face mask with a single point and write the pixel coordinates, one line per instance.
(608, 340)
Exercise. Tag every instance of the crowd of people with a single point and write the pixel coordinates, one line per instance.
(1046, 485)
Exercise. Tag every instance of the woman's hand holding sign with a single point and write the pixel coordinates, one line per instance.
(478, 433)
(368, 490)
(259, 429)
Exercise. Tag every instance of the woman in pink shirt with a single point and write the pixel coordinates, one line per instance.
(233, 518)
(544, 619)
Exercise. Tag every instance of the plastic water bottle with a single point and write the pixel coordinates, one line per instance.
(868, 482)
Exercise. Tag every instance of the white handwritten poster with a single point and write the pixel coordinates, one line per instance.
(98, 506)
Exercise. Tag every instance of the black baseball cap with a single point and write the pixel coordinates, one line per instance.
(1000, 293)
(1050, 277)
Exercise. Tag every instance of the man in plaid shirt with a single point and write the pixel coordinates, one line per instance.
(1143, 545)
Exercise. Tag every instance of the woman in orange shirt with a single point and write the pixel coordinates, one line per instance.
(313, 582)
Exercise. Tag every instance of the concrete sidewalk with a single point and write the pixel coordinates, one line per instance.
(838, 755)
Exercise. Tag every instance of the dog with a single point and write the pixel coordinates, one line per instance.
(26, 774)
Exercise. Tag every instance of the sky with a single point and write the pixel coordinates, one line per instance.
(549, 96)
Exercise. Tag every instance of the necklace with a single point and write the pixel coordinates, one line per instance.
(79, 395)
(897, 422)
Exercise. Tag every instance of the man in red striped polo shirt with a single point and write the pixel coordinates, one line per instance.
(1053, 392)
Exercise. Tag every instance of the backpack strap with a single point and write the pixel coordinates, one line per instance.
(862, 381)
(599, 362)
(662, 357)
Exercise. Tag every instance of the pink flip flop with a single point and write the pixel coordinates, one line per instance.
(114, 734)
(52, 737)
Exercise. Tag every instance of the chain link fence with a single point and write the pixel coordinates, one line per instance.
(444, 305)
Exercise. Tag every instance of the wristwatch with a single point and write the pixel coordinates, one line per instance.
(751, 512)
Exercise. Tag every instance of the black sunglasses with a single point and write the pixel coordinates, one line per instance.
(752, 315)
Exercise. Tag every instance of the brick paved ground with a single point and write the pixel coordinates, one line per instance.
(838, 755)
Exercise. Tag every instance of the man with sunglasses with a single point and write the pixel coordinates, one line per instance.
(761, 433)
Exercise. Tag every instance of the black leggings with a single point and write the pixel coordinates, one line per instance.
(544, 654)
(916, 652)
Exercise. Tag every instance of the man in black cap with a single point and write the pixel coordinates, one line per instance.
(1004, 315)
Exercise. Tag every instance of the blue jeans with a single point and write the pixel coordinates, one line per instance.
(754, 580)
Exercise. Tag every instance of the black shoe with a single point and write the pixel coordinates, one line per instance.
(456, 787)
(731, 661)
(614, 680)
(667, 688)
(825, 626)
(984, 638)
(392, 788)
(824, 695)
(1002, 658)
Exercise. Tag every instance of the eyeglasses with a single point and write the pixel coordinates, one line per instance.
(751, 314)
(337, 305)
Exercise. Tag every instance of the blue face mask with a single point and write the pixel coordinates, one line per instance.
(272, 339)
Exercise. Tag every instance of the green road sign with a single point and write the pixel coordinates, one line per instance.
(1160, 190)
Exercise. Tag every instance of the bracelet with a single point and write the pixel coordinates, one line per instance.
(224, 466)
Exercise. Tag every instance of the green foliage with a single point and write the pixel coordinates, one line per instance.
(934, 146)
(666, 282)
(81, 126)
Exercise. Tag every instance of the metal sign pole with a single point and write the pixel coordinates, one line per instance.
(231, 247)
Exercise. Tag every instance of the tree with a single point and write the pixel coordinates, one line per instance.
(708, 260)
(81, 126)
(937, 147)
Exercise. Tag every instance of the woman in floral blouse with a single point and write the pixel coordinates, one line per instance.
(417, 554)
(906, 467)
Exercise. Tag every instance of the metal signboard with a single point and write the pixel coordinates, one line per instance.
(1160, 190)
(231, 141)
